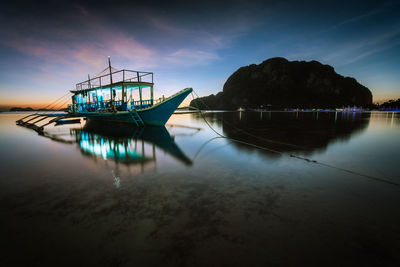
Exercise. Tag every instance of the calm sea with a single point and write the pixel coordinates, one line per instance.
(319, 189)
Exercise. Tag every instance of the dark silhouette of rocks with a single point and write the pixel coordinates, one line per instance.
(390, 105)
(278, 83)
(40, 109)
(21, 109)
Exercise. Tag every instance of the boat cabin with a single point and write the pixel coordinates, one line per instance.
(121, 90)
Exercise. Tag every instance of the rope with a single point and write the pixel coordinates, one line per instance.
(105, 71)
(59, 106)
(223, 136)
(379, 179)
(67, 94)
(51, 104)
(252, 135)
(203, 145)
(216, 148)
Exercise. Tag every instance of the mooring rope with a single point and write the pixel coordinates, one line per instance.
(379, 179)
(203, 145)
(250, 134)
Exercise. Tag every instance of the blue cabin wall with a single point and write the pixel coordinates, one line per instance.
(98, 99)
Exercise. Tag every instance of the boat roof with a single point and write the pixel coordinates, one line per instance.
(112, 85)
(116, 78)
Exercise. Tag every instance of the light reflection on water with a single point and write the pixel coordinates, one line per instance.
(126, 145)
(113, 195)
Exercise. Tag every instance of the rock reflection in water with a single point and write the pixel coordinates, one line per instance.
(304, 132)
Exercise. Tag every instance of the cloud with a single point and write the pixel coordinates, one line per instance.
(188, 57)
(382, 8)
(91, 51)
(356, 19)
(356, 50)
(343, 51)
(82, 43)
(164, 25)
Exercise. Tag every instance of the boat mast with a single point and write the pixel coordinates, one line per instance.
(89, 87)
(111, 90)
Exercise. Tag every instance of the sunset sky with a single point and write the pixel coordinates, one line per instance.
(48, 47)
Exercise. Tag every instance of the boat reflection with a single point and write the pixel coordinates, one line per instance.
(126, 144)
(123, 151)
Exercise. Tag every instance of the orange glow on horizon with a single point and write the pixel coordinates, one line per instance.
(34, 105)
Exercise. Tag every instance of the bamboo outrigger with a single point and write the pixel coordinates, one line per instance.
(115, 96)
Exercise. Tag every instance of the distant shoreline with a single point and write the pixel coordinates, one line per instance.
(306, 111)
(28, 109)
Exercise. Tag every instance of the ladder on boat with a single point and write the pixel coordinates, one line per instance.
(136, 118)
(31, 121)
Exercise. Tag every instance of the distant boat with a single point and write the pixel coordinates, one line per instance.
(241, 109)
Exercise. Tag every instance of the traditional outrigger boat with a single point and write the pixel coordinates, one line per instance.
(121, 96)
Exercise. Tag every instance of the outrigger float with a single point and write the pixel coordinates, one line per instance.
(125, 96)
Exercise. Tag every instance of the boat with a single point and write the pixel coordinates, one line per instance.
(120, 96)
(125, 96)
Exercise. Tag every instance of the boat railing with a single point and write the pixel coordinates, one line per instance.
(118, 105)
(105, 106)
(116, 77)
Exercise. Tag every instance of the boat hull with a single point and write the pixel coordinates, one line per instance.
(158, 114)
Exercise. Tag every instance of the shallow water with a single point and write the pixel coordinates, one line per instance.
(116, 196)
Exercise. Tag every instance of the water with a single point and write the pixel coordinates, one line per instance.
(178, 196)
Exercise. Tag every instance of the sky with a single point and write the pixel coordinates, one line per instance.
(46, 47)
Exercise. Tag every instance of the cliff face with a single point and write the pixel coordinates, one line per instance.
(278, 83)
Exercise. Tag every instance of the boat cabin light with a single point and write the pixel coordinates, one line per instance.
(122, 90)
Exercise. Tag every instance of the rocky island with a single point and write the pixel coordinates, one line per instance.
(21, 109)
(32, 109)
(278, 83)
